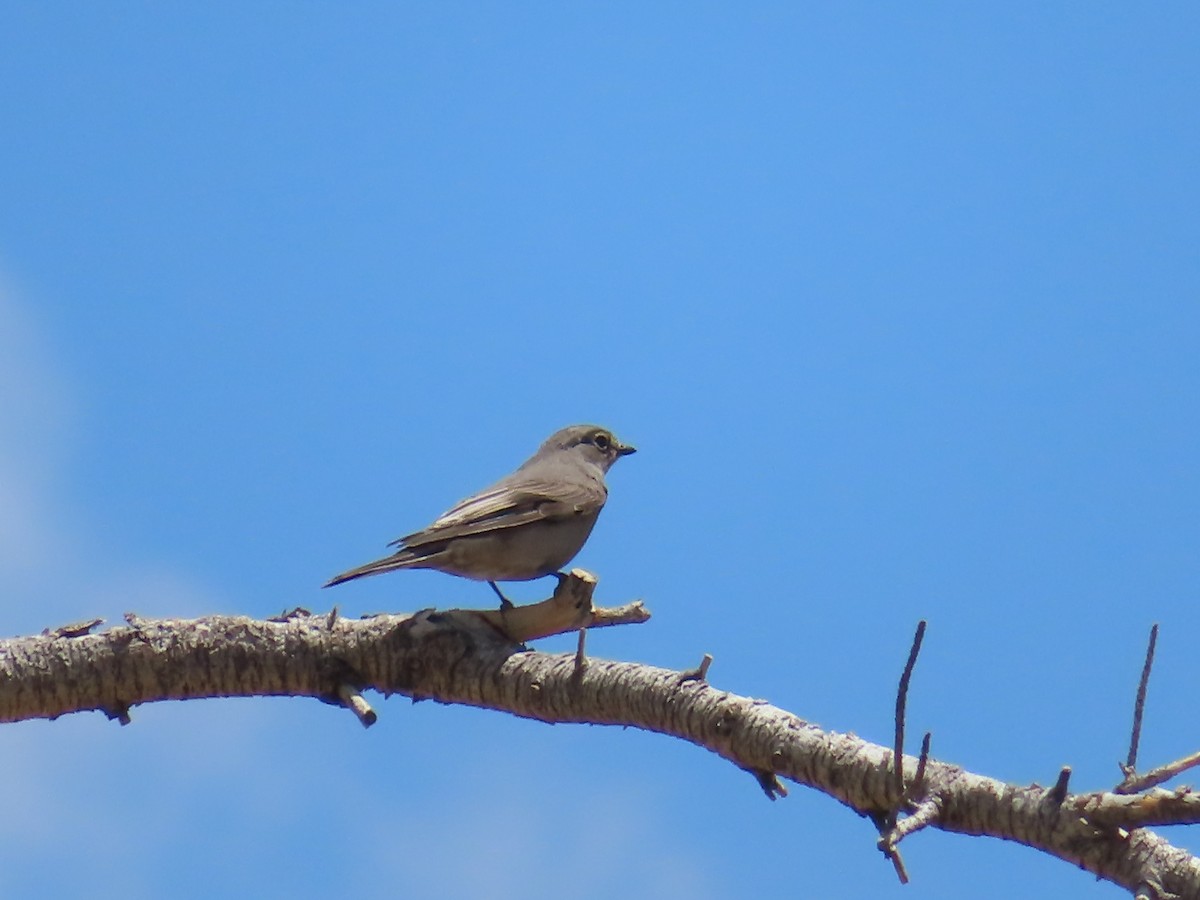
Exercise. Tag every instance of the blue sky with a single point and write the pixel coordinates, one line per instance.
(900, 305)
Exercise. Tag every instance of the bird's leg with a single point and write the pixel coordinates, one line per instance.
(505, 603)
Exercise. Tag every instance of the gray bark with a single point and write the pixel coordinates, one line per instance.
(470, 658)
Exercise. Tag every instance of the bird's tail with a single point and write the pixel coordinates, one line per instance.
(405, 559)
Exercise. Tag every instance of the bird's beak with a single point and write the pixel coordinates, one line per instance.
(625, 449)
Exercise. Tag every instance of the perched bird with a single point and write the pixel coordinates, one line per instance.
(527, 525)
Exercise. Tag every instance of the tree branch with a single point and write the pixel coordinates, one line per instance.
(467, 657)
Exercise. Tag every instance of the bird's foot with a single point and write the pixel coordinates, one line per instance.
(505, 603)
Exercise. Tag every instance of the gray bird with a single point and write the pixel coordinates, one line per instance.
(527, 525)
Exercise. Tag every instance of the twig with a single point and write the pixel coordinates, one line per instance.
(357, 704)
(770, 783)
(634, 613)
(901, 702)
(74, 629)
(580, 658)
(898, 864)
(700, 673)
(923, 816)
(1139, 706)
(916, 789)
(568, 609)
(885, 824)
(1134, 784)
(1058, 793)
(296, 612)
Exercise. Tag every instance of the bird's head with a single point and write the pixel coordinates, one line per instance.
(595, 444)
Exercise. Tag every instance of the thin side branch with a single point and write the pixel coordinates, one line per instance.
(568, 609)
(580, 652)
(885, 824)
(1058, 793)
(923, 816)
(1139, 705)
(916, 788)
(901, 702)
(357, 704)
(75, 629)
(893, 854)
(770, 784)
(1155, 777)
(700, 673)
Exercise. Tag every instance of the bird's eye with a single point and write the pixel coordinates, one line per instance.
(600, 439)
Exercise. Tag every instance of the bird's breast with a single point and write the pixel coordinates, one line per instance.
(520, 553)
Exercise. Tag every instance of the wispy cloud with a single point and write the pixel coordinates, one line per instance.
(34, 415)
(51, 572)
(49, 561)
(530, 829)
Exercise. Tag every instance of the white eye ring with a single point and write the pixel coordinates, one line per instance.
(601, 441)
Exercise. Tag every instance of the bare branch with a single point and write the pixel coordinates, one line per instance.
(357, 704)
(1157, 776)
(916, 788)
(580, 655)
(770, 784)
(893, 854)
(1058, 793)
(700, 673)
(923, 816)
(901, 702)
(568, 609)
(75, 629)
(460, 656)
(885, 822)
(1139, 706)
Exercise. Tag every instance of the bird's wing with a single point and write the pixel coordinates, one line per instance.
(507, 505)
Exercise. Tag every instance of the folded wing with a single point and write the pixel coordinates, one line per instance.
(508, 506)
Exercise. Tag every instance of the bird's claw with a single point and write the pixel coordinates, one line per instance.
(505, 603)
